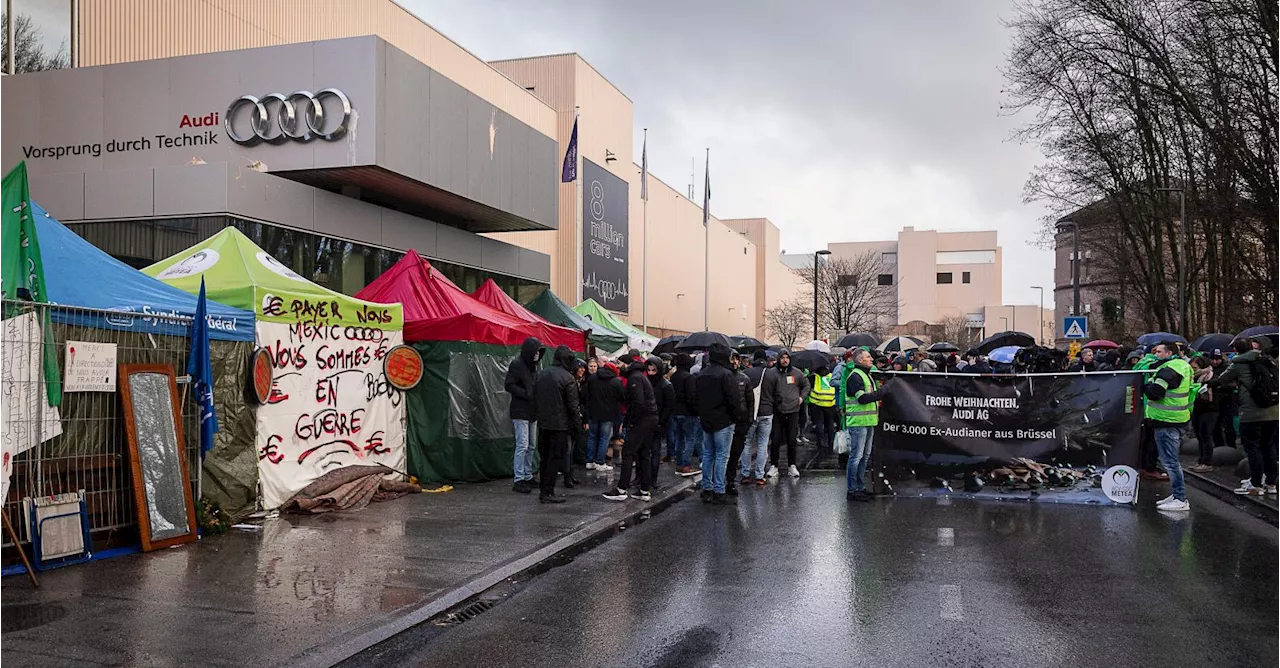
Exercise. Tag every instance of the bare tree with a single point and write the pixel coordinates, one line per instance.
(850, 296)
(955, 329)
(787, 320)
(28, 52)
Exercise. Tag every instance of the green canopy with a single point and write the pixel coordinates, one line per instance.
(549, 307)
(239, 273)
(598, 314)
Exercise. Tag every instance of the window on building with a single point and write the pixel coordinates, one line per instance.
(944, 278)
(889, 257)
(884, 279)
(964, 277)
(846, 280)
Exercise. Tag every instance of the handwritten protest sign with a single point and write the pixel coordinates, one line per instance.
(27, 416)
(89, 367)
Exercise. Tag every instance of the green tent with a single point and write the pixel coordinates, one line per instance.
(598, 314)
(550, 308)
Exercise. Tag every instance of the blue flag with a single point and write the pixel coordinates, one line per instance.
(200, 369)
(569, 171)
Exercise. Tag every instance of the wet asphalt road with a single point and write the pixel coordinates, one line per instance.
(797, 576)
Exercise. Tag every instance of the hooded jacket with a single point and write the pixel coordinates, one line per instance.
(718, 399)
(685, 388)
(757, 375)
(556, 394)
(1240, 373)
(747, 392)
(790, 387)
(664, 393)
(522, 374)
(640, 400)
(604, 395)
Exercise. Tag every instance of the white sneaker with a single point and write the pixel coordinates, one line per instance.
(591, 466)
(773, 471)
(1176, 505)
(1165, 500)
(1271, 489)
(1247, 489)
(603, 467)
(795, 472)
(642, 495)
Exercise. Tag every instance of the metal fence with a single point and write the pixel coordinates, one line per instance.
(91, 451)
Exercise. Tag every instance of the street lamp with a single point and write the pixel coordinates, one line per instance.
(1182, 266)
(815, 290)
(1041, 289)
(1075, 264)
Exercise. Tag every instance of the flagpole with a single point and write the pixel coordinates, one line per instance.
(706, 246)
(577, 189)
(644, 222)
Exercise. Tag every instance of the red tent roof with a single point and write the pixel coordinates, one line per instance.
(437, 310)
(493, 295)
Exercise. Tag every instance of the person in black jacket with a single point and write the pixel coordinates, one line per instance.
(604, 402)
(742, 425)
(558, 414)
(687, 433)
(664, 395)
(521, 376)
(641, 423)
(719, 405)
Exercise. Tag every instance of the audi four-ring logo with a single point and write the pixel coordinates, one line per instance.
(275, 118)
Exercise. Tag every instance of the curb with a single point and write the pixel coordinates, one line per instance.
(353, 642)
(1249, 505)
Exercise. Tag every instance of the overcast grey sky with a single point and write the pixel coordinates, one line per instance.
(839, 121)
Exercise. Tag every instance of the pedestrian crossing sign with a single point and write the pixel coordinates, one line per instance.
(1075, 327)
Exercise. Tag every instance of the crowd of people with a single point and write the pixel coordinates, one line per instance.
(726, 418)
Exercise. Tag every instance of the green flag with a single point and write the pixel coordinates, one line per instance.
(23, 269)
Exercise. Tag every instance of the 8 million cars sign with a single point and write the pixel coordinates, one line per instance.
(604, 237)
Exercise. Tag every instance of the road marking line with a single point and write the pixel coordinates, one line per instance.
(952, 608)
(946, 537)
(944, 500)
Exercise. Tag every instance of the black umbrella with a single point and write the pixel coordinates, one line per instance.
(747, 344)
(899, 344)
(857, 340)
(1002, 339)
(943, 347)
(668, 344)
(703, 341)
(1209, 342)
(1149, 340)
(1270, 331)
(810, 359)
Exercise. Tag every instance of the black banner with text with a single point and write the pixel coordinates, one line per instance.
(604, 237)
(1075, 419)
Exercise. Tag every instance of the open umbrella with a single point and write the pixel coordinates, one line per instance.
(1001, 339)
(810, 359)
(668, 344)
(1159, 337)
(1209, 342)
(703, 341)
(1270, 331)
(820, 346)
(944, 347)
(899, 344)
(1102, 344)
(1004, 354)
(857, 340)
(747, 344)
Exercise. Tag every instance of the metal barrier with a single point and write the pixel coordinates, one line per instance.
(91, 452)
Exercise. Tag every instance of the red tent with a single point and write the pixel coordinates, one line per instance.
(493, 295)
(437, 310)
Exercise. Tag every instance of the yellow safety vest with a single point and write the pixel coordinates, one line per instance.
(823, 393)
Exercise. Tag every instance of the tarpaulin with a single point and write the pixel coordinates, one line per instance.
(489, 293)
(1075, 419)
(82, 275)
(550, 308)
(459, 429)
(597, 313)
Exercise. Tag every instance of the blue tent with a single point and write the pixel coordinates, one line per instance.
(77, 273)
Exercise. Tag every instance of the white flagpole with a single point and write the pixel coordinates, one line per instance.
(644, 221)
(577, 190)
(706, 246)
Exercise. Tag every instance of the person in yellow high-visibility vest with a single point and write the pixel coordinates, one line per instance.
(822, 408)
(1168, 409)
(861, 415)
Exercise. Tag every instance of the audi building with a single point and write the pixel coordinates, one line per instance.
(336, 156)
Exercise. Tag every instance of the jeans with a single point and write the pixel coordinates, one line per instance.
(598, 434)
(1259, 440)
(757, 437)
(1204, 421)
(715, 457)
(523, 462)
(688, 431)
(1168, 439)
(785, 427)
(859, 457)
(636, 452)
(552, 447)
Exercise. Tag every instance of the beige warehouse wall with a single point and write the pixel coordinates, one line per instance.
(775, 282)
(116, 31)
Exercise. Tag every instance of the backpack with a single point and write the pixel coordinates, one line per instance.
(1263, 390)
